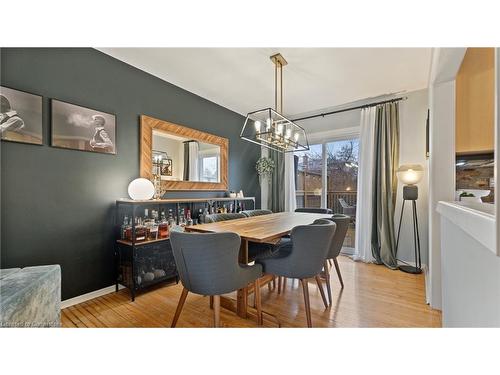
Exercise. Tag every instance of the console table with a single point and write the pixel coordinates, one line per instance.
(134, 259)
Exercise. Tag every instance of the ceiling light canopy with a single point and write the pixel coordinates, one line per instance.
(268, 127)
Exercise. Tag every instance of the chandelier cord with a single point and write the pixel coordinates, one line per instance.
(278, 97)
(276, 87)
(281, 88)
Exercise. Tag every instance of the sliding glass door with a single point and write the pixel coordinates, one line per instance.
(327, 176)
(342, 181)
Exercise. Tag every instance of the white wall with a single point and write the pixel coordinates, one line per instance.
(444, 68)
(470, 279)
(441, 176)
(413, 116)
(336, 121)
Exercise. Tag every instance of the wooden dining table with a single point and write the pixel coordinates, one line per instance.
(262, 229)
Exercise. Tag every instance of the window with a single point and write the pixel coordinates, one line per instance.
(210, 168)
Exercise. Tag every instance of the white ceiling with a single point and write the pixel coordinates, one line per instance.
(242, 79)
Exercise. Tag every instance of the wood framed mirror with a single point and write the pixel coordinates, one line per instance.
(184, 158)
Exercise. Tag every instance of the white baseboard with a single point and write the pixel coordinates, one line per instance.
(425, 271)
(88, 296)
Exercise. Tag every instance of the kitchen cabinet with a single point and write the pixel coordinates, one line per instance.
(475, 100)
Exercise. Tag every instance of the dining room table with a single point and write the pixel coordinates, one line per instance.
(268, 229)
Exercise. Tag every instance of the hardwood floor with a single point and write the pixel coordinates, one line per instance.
(374, 296)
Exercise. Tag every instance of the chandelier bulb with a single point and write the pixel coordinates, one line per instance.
(257, 126)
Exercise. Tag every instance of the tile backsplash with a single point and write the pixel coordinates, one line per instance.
(476, 174)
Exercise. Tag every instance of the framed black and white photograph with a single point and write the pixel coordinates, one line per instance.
(81, 128)
(20, 116)
(166, 167)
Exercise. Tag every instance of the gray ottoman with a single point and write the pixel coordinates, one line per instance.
(30, 297)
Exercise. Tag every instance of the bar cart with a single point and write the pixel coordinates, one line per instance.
(143, 253)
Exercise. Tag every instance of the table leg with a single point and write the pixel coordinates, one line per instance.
(242, 294)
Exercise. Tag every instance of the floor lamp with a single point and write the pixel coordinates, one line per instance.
(410, 175)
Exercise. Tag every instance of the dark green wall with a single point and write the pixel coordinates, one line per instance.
(57, 205)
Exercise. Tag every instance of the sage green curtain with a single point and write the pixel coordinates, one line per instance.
(386, 161)
(276, 197)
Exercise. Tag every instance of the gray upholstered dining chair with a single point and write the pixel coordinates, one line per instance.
(303, 257)
(250, 213)
(208, 265)
(213, 218)
(314, 210)
(342, 222)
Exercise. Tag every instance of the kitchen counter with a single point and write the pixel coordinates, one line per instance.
(476, 219)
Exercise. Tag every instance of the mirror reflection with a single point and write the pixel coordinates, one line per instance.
(182, 159)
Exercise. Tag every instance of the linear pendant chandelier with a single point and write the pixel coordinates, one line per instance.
(268, 127)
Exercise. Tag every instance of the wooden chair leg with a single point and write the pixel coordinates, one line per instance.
(269, 286)
(279, 284)
(305, 288)
(328, 285)
(284, 284)
(179, 307)
(211, 302)
(258, 301)
(321, 291)
(338, 272)
(274, 282)
(216, 311)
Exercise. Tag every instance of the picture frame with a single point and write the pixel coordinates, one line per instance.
(21, 116)
(82, 128)
(166, 168)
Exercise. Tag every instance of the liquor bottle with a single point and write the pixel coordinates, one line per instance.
(182, 218)
(128, 230)
(152, 225)
(231, 207)
(170, 219)
(224, 209)
(154, 214)
(163, 226)
(140, 231)
(189, 220)
(123, 228)
(238, 208)
(200, 216)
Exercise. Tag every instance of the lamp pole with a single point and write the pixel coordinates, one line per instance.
(410, 193)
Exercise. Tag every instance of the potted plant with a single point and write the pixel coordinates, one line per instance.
(468, 197)
(264, 167)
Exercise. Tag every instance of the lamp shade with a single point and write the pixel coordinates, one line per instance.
(410, 174)
(141, 189)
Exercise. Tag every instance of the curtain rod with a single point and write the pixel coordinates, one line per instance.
(350, 109)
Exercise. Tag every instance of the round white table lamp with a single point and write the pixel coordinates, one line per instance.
(141, 189)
